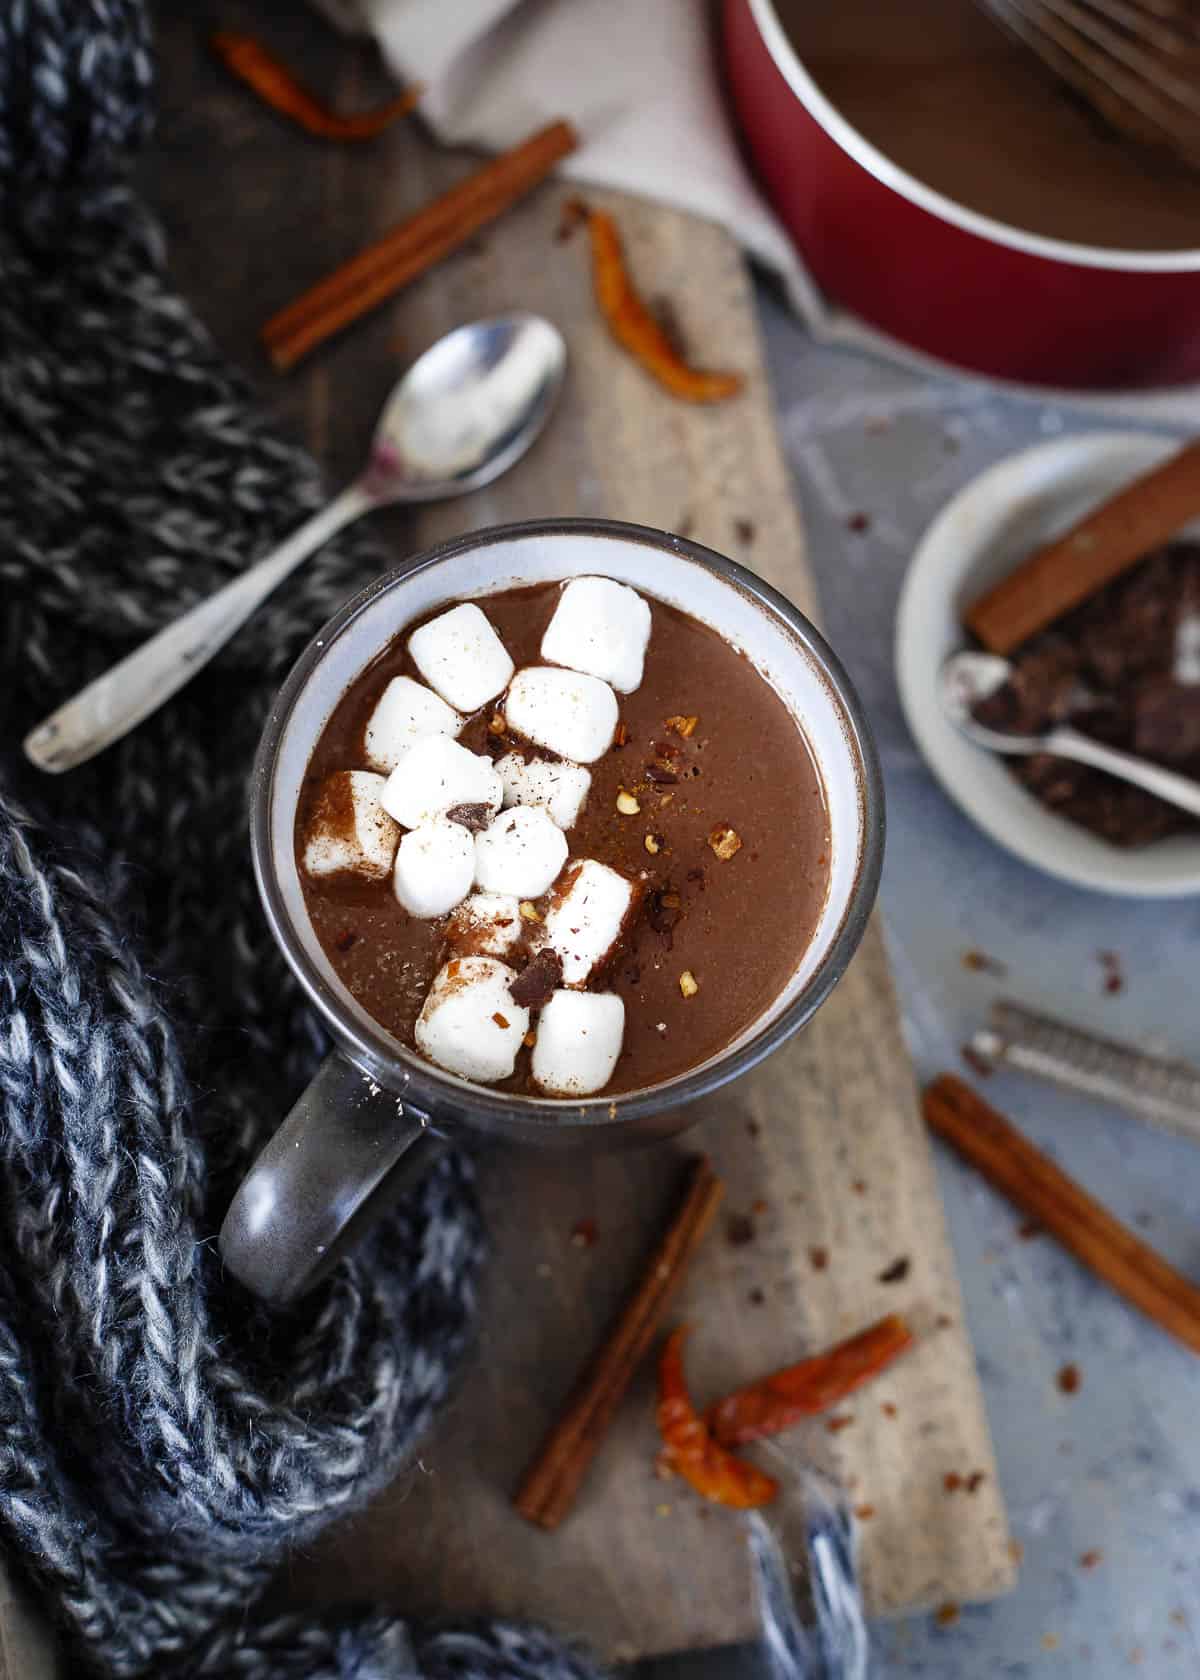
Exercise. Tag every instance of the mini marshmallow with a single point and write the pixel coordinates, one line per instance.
(461, 656)
(521, 852)
(579, 1037)
(561, 788)
(569, 712)
(469, 1024)
(434, 867)
(485, 925)
(600, 627)
(350, 829)
(433, 776)
(404, 712)
(590, 911)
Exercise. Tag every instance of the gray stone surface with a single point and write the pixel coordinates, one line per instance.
(1115, 1468)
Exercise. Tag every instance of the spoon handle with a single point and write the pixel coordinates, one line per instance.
(129, 691)
(1166, 784)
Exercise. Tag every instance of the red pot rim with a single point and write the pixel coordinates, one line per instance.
(877, 163)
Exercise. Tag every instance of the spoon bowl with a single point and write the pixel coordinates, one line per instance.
(463, 413)
(468, 409)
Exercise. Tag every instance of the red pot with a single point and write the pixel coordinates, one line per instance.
(935, 275)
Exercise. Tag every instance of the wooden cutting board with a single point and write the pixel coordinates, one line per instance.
(822, 1148)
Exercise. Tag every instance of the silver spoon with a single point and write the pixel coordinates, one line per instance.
(463, 413)
(967, 678)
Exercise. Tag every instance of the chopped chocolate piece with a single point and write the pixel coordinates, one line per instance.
(980, 963)
(976, 1480)
(1069, 1379)
(661, 774)
(896, 1272)
(1166, 719)
(739, 1230)
(663, 916)
(538, 980)
(743, 530)
(473, 817)
(818, 1258)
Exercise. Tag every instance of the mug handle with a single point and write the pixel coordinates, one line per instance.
(347, 1149)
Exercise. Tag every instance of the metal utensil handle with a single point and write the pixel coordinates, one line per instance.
(1164, 1092)
(1165, 784)
(117, 701)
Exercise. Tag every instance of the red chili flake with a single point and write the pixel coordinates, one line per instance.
(1114, 977)
(1090, 1558)
(976, 1480)
(500, 1020)
(952, 1481)
(818, 1258)
(977, 1063)
(584, 1233)
(896, 1272)
(621, 737)
(739, 1230)
(838, 1422)
(1069, 1379)
(946, 1615)
(887, 1409)
(858, 523)
(859, 1187)
(759, 1206)
(1114, 983)
(980, 963)
(864, 1513)
(344, 941)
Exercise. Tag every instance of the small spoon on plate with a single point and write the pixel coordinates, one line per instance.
(463, 414)
(967, 678)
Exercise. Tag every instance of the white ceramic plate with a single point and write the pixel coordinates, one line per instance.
(983, 533)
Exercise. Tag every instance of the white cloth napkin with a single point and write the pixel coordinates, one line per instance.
(635, 77)
(639, 79)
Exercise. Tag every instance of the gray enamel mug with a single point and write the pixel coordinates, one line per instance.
(376, 1114)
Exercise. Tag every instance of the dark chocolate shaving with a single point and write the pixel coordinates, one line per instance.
(473, 817)
(538, 980)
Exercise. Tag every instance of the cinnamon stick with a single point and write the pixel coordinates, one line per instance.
(1105, 543)
(548, 1489)
(413, 246)
(1032, 1181)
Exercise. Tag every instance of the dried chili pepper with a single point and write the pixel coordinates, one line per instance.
(690, 1450)
(634, 327)
(778, 1401)
(275, 85)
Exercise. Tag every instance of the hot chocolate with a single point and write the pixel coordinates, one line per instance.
(942, 90)
(563, 840)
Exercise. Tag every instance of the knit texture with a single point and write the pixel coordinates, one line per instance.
(163, 1438)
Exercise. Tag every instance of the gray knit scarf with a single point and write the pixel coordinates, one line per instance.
(163, 1439)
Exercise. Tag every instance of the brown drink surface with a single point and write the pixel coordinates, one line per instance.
(740, 925)
(953, 99)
